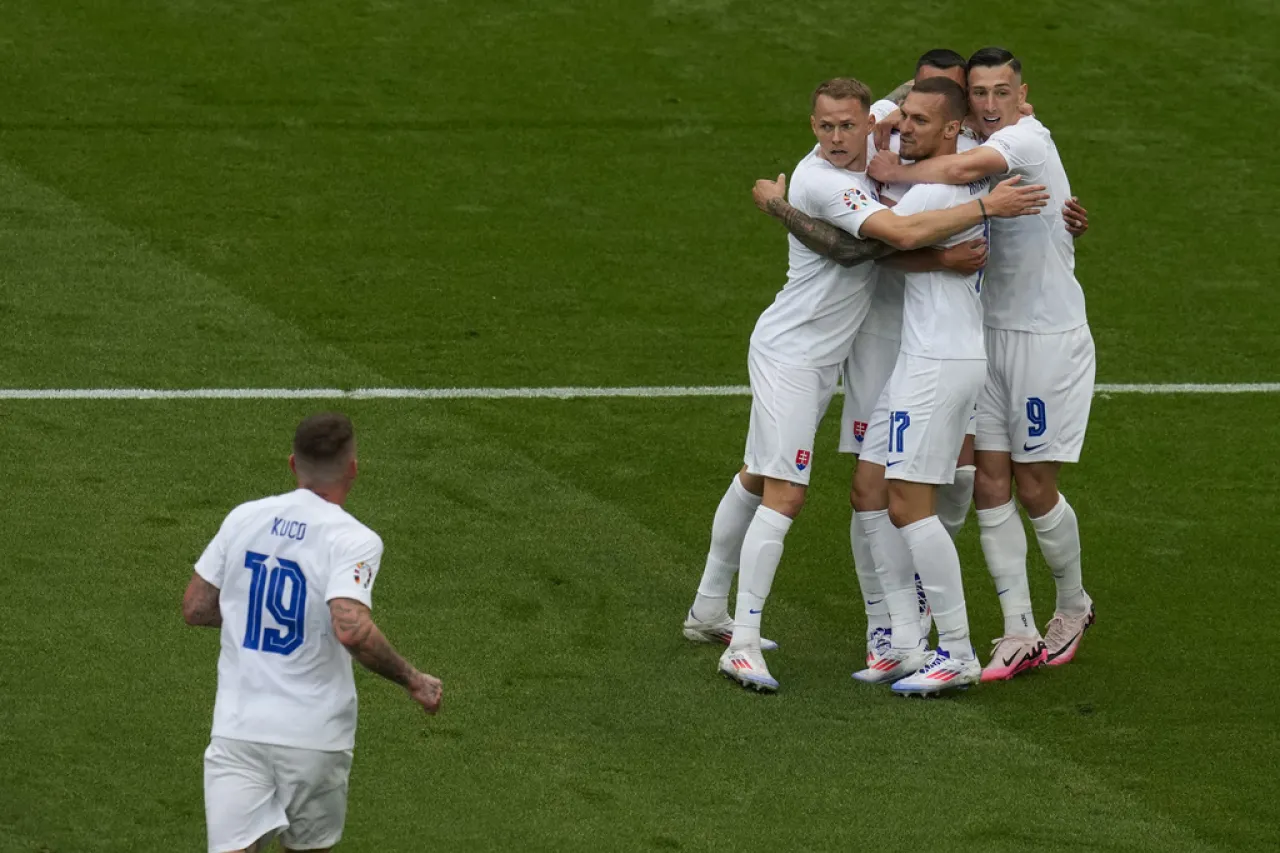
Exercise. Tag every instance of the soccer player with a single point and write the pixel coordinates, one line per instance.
(793, 361)
(288, 579)
(1034, 409)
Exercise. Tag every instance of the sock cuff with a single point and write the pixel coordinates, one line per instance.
(741, 493)
(966, 469)
(873, 515)
(771, 517)
(923, 529)
(1053, 517)
(997, 516)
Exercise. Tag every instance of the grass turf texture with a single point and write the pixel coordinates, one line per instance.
(239, 194)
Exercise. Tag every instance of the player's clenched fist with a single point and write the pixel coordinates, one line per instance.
(427, 691)
(765, 191)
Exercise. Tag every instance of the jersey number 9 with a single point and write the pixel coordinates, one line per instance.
(283, 592)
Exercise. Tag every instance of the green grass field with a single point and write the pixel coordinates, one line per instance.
(496, 194)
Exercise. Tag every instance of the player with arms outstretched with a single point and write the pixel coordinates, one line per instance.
(1034, 409)
(289, 579)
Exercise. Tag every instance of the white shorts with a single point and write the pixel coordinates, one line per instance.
(1035, 404)
(921, 418)
(864, 374)
(787, 404)
(256, 790)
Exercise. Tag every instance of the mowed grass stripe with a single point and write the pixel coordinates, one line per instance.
(621, 392)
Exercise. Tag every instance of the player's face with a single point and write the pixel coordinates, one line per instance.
(841, 128)
(955, 74)
(924, 126)
(995, 94)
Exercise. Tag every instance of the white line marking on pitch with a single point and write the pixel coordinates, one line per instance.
(651, 391)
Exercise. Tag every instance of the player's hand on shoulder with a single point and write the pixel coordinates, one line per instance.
(884, 167)
(884, 130)
(1027, 110)
(1076, 217)
(966, 258)
(766, 191)
(1010, 198)
(427, 691)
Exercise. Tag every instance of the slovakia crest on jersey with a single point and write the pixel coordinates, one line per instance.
(855, 199)
(859, 430)
(802, 459)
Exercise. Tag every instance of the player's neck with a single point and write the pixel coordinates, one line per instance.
(334, 493)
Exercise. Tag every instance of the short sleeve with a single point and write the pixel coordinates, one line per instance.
(355, 565)
(920, 198)
(213, 562)
(1022, 148)
(845, 204)
(882, 109)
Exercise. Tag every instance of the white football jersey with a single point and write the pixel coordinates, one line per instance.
(884, 318)
(1030, 283)
(813, 319)
(283, 677)
(942, 311)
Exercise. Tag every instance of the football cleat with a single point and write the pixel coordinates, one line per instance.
(1013, 655)
(885, 663)
(747, 667)
(719, 632)
(1062, 635)
(941, 673)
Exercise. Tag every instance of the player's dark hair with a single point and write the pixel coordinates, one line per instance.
(994, 57)
(954, 98)
(842, 88)
(323, 443)
(940, 58)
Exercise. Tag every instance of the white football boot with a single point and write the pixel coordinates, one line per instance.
(941, 673)
(718, 632)
(747, 667)
(886, 664)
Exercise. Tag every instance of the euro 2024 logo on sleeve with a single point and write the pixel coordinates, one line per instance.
(802, 459)
(363, 574)
(855, 199)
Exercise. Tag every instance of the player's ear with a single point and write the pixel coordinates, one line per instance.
(293, 465)
(813, 124)
(352, 468)
(1022, 93)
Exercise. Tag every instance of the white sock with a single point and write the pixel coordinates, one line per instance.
(761, 551)
(897, 576)
(935, 558)
(733, 517)
(864, 566)
(1004, 545)
(954, 500)
(1058, 532)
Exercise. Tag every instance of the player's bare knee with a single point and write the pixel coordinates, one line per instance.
(868, 493)
(753, 483)
(1037, 496)
(784, 497)
(991, 488)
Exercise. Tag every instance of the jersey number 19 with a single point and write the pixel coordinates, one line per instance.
(283, 593)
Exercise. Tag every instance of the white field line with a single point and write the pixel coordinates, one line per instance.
(652, 391)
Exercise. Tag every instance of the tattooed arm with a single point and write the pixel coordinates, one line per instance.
(200, 604)
(354, 628)
(824, 238)
(899, 94)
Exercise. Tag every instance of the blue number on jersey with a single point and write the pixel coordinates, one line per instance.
(898, 423)
(287, 608)
(1036, 416)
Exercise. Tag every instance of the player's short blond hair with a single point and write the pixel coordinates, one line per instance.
(842, 89)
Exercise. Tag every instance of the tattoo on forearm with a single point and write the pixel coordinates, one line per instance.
(367, 644)
(899, 94)
(826, 239)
